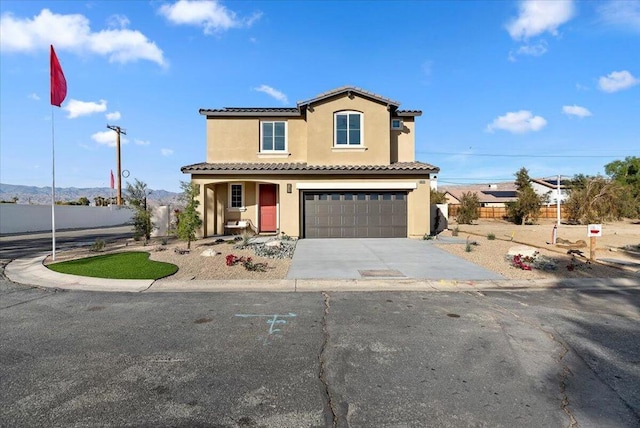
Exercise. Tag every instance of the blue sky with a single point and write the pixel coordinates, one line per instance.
(553, 86)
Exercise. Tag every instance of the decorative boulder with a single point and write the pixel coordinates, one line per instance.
(273, 244)
(209, 252)
(523, 250)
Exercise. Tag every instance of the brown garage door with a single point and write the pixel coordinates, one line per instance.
(355, 214)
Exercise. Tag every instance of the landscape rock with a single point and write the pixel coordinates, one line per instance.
(523, 250)
(276, 243)
(209, 252)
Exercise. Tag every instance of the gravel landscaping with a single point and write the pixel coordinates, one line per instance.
(207, 258)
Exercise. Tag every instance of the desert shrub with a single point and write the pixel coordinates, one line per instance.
(455, 231)
(491, 236)
(98, 245)
(468, 211)
(597, 199)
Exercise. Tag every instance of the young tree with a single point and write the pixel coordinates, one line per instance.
(438, 197)
(527, 206)
(189, 219)
(627, 173)
(136, 197)
(469, 204)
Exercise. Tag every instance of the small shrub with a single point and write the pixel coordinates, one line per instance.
(468, 246)
(285, 237)
(491, 236)
(98, 245)
(428, 237)
(247, 262)
(455, 231)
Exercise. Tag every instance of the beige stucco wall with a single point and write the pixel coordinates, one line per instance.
(215, 212)
(238, 140)
(375, 135)
(311, 140)
(403, 142)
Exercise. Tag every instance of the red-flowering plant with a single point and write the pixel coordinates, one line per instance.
(522, 262)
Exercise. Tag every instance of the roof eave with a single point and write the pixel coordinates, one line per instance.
(310, 172)
(409, 113)
(209, 113)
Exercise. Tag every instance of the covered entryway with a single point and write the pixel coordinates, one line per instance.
(357, 214)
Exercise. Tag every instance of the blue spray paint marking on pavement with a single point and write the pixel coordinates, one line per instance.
(272, 321)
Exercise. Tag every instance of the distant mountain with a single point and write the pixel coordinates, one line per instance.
(42, 195)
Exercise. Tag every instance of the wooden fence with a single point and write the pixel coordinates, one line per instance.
(501, 212)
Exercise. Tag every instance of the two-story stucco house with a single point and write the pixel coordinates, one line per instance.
(341, 164)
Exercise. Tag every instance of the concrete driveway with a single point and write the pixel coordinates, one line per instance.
(380, 258)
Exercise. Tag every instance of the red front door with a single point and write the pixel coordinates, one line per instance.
(268, 214)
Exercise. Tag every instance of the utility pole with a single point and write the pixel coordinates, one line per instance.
(118, 132)
(558, 198)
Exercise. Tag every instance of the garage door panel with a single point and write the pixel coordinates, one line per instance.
(355, 214)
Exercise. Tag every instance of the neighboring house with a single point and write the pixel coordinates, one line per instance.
(489, 195)
(545, 186)
(341, 164)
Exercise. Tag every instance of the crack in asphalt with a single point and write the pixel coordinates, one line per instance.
(566, 371)
(322, 374)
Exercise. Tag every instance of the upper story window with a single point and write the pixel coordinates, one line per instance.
(273, 136)
(348, 128)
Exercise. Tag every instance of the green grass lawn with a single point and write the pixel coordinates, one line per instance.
(127, 265)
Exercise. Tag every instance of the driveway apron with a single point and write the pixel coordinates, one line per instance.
(380, 258)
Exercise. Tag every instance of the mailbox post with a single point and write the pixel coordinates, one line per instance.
(593, 231)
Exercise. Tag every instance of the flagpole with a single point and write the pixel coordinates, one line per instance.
(53, 188)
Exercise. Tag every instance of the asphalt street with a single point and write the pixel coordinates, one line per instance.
(16, 246)
(552, 358)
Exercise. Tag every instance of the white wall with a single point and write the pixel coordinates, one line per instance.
(15, 218)
(439, 215)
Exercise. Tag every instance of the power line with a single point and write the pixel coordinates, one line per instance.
(519, 156)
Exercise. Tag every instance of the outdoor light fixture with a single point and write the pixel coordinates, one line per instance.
(288, 187)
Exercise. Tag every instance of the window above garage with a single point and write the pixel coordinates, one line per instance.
(348, 129)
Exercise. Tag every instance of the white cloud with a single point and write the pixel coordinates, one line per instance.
(210, 15)
(617, 81)
(34, 97)
(537, 49)
(518, 122)
(141, 142)
(166, 152)
(272, 93)
(113, 115)
(108, 138)
(575, 110)
(540, 16)
(621, 13)
(73, 33)
(84, 108)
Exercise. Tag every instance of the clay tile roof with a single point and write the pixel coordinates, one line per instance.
(408, 113)
(304, 168)
(251, 111)
(344, 89)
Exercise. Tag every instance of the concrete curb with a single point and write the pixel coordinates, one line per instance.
(31, 271)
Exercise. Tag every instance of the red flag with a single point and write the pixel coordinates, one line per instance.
(58, 82)
(112, 180)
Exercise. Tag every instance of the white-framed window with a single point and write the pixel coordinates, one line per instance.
(273, 136)
(348, 126)
(236, 195)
